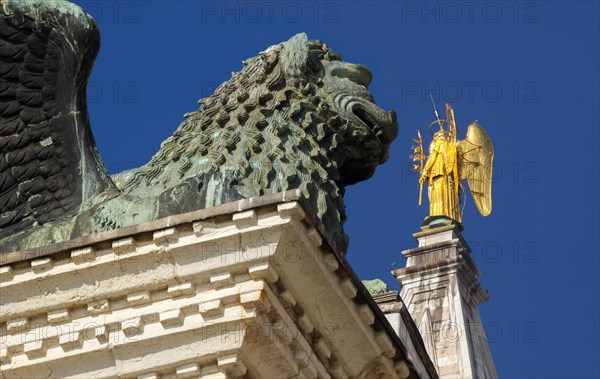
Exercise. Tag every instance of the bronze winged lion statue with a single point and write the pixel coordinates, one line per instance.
(295, 117)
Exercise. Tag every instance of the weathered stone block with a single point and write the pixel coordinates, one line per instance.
(85, 255)
(39, 265)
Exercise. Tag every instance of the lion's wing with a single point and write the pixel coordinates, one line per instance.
(48, 161)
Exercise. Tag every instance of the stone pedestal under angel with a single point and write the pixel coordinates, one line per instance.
(450, 161)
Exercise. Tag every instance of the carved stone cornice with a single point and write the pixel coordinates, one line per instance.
(250, 289)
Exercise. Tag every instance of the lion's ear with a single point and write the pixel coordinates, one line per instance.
(294, 55)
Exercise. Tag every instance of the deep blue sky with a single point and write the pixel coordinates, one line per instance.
(528, 71)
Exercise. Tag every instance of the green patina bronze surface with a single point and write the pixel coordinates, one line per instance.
(295, 117)
(375, 286)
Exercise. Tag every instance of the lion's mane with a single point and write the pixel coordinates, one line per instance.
(266, 130)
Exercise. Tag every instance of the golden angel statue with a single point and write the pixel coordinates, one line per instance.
(450, 161)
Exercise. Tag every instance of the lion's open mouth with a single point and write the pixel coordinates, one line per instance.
(380, 123)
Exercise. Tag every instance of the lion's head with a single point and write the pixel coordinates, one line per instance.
(296, 116)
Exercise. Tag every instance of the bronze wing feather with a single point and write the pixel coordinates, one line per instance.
(49, 165)
(475, 163)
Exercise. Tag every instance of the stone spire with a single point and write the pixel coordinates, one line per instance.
(441, 291)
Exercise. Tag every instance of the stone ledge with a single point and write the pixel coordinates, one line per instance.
(160, 283)
(163, 223)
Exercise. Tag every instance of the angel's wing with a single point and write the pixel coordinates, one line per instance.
(49, 165)
(475, 163)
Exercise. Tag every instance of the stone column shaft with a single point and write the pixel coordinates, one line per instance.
(442, 292)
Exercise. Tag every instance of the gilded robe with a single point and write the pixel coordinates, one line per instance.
(441, 172)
